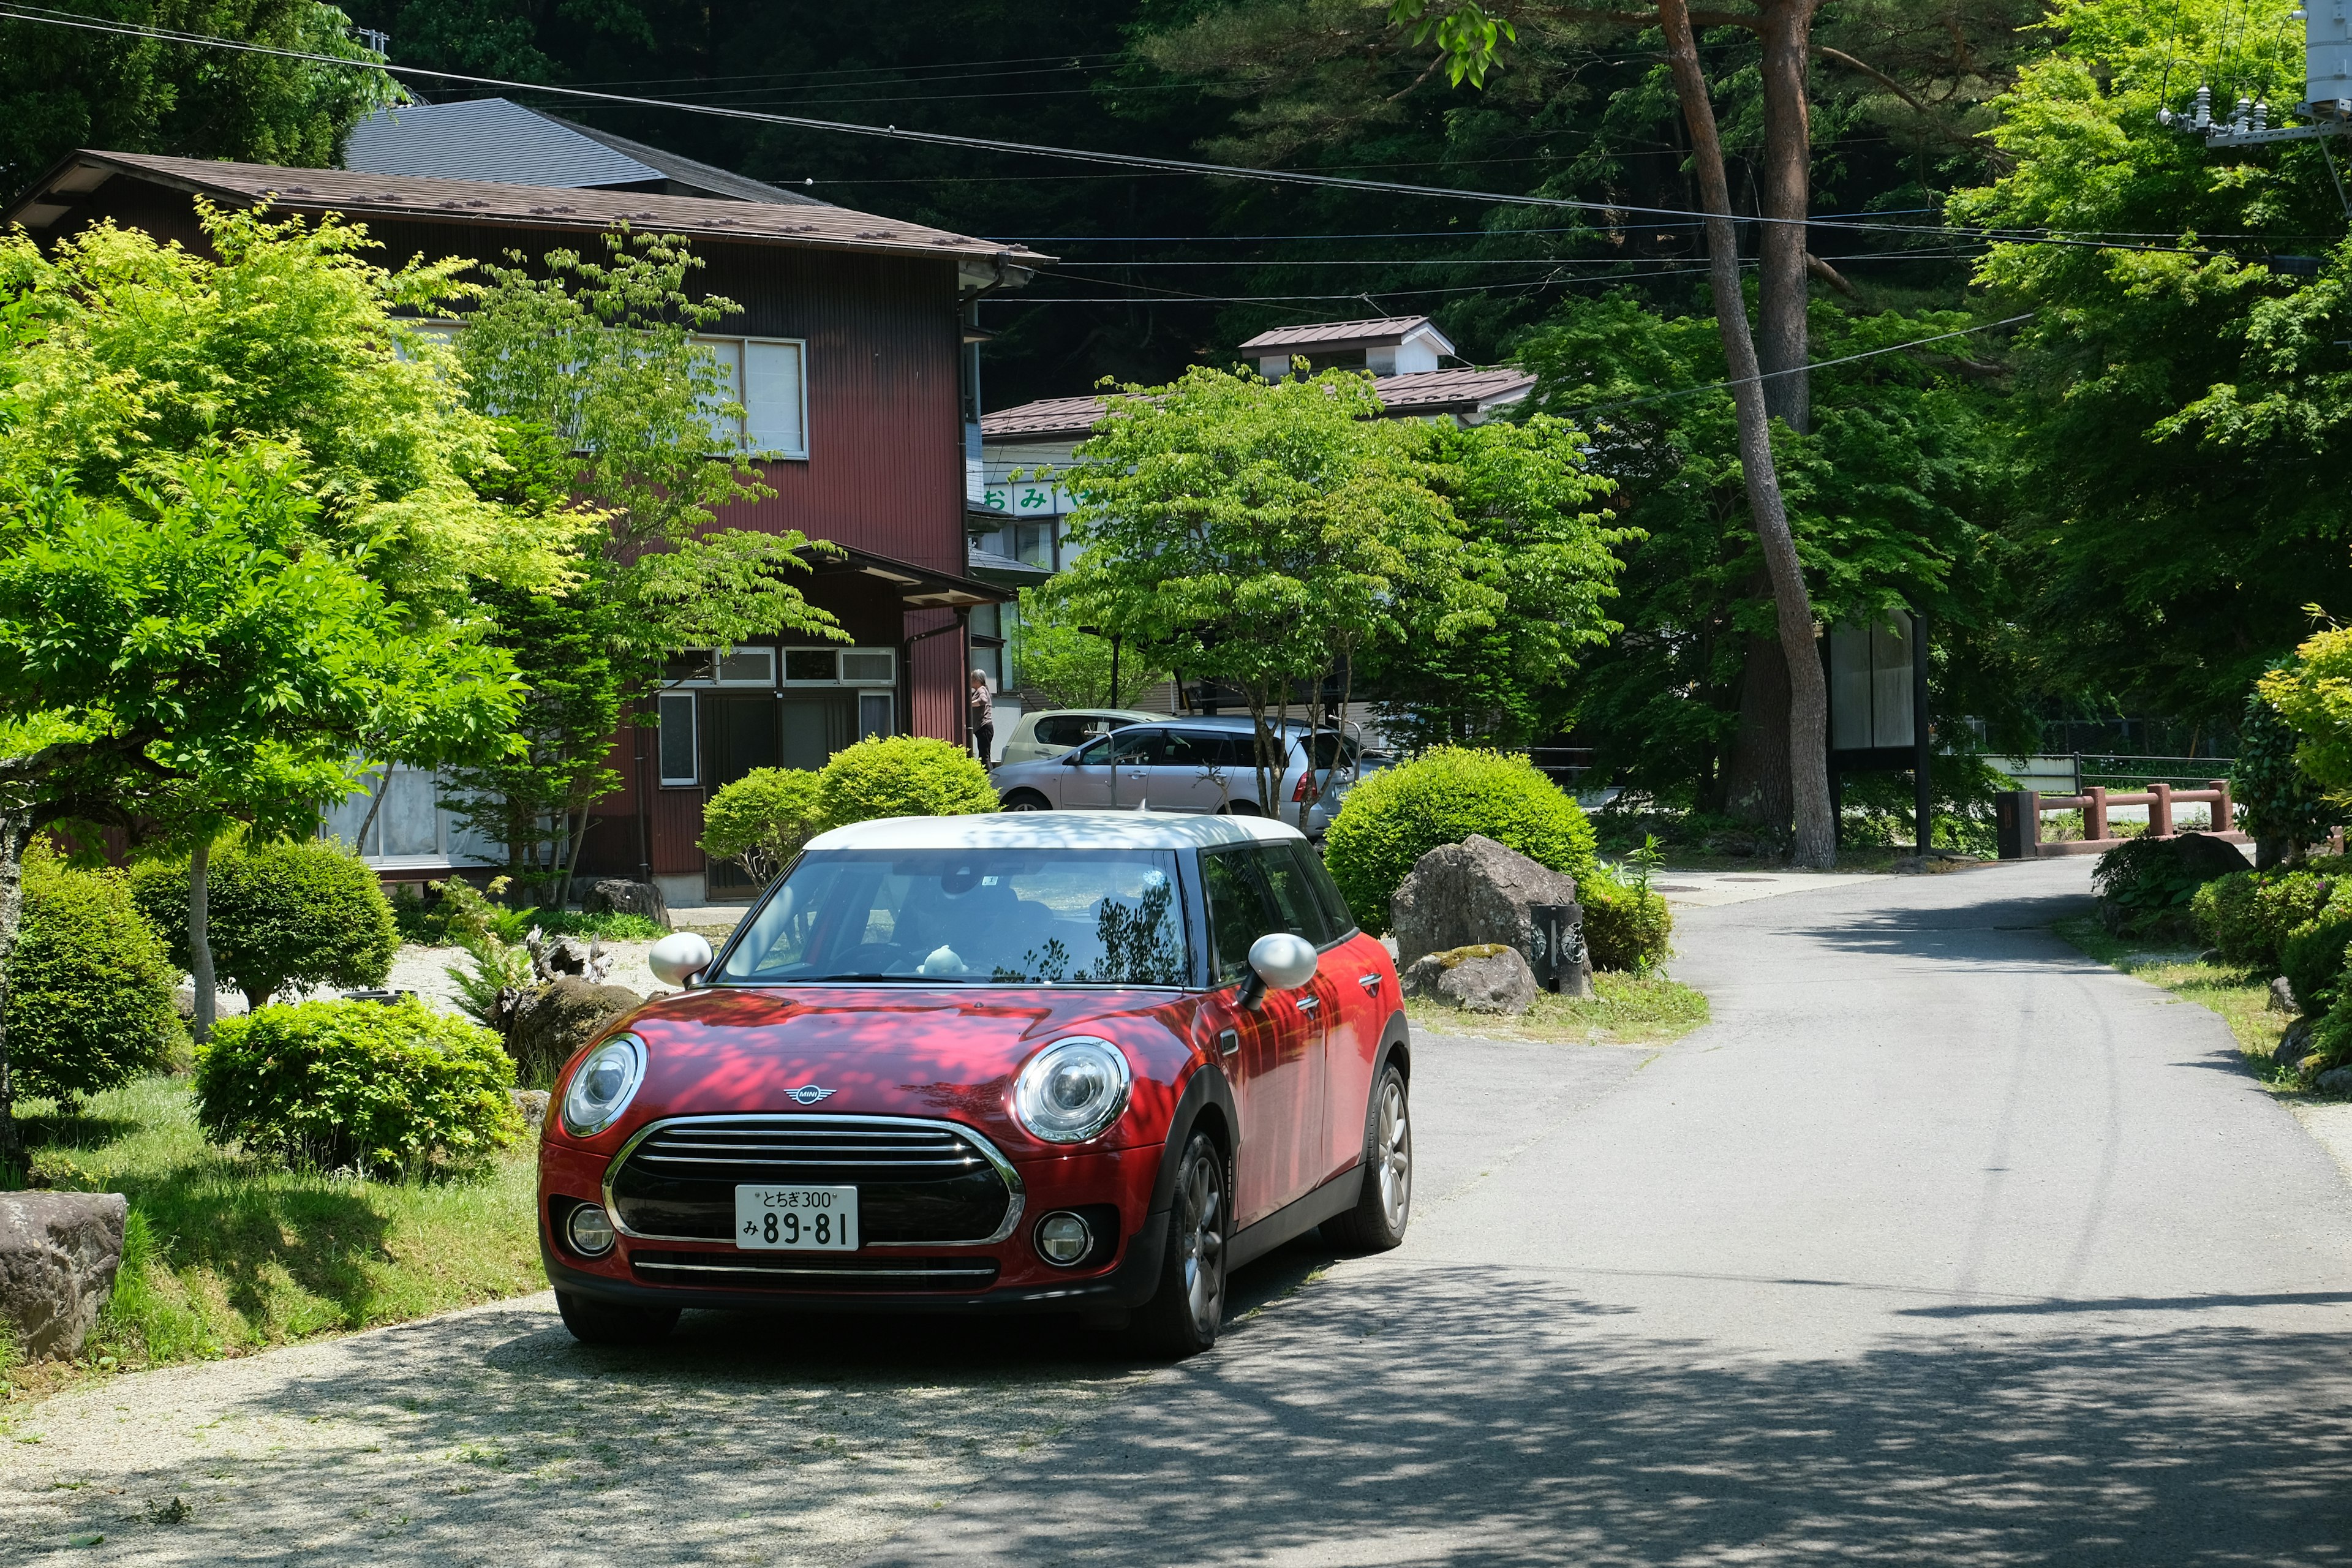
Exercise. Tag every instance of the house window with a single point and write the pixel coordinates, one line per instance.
(841, 666)
(874, 714)
(712, 666)
(410, 828)
(769, 377)
(678, 751)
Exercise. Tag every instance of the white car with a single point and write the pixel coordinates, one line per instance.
(1059, 730)
(1195, 765)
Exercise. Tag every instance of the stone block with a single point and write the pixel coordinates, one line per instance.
(59, 1252)
(1484, 977)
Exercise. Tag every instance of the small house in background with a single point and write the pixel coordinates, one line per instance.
(1022, 520)
(849, 357)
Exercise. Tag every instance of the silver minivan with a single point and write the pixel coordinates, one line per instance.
(1186, 765)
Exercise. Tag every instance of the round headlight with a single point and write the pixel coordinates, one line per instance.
(603, 1085)
(590, 1231)
(1072, 1089)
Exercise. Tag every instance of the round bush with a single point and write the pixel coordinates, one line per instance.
(1442, 796)
(901, 775)
(331, 1085)
(1626, 928)
(2279, 805)
(761, 820)
(89, 988)
(300, 912)
(2247, 915)
(2312, 959)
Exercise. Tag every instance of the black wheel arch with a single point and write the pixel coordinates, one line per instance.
(1208, 1098)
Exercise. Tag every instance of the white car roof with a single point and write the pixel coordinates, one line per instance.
(1056, 830)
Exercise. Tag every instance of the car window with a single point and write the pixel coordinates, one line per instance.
(1254, 890)
(1338, 921)
(1219, 749)
(1094, 755)
(1334, 750)
(1138, 747)
(970, 917)
(1064, 729)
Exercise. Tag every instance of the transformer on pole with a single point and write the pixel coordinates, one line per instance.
(2327, 90)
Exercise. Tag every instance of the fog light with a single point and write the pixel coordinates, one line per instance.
(1063, 1238)
(590, 1231)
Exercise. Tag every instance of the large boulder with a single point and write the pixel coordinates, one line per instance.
(59, 1252)
(1484, 977)
(551, 1021)
(1479, 891)
(616, 896)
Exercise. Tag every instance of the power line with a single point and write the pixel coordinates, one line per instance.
(1797, 369)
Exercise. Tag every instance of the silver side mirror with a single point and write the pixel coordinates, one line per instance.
(1282, 959)
(678, 957)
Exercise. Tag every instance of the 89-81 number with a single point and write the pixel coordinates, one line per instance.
(796, 1219)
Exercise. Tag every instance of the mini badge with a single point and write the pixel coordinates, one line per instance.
(808, 1094)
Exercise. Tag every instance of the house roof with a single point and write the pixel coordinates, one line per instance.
(1419, 392)
(1379, 333)
(814, 226)
(497, 140)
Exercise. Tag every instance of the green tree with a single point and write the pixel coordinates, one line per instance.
(63, 87)
(760, 820)
(2182, 404)
(192, 648)
(1072, 666)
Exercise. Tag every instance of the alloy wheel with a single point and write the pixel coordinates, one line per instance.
(1392, 1155)
(1201, 1239)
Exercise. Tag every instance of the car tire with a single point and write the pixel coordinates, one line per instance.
(1240, 808)
(1184, 1314)
(1027, 800)
(594, 1322)
(1384, 1207)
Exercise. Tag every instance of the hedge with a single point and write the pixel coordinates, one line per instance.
(359, 1086)
(901, 775)
(2249, 915)
(89, 986)
(300, 912)
(1442, 796)
(2312, 959)
(761, 819)
(1626, 927)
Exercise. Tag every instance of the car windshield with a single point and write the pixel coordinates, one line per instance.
(1051, 917)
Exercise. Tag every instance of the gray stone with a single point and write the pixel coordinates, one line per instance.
(2294, 1044)
(59, 1252)
(2336, 1081)
(618, 896)
(532, 1103)
(1483, 977)
(554, 1020)
(2283, 996)
(1477, 892)
(552, 958)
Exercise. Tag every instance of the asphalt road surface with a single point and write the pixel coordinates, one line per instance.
(1941, 1245)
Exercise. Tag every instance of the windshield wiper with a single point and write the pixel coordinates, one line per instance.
(899, 979)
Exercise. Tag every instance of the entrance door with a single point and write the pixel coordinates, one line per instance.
(815, 724)
(738, 733)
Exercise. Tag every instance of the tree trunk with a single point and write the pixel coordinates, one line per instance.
(16, 831)
(200, 942)
(1814, 842)
(1784, 191)
(1755, 785)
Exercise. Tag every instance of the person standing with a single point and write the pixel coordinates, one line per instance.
(984, 717)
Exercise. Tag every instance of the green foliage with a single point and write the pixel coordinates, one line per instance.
(2178, 404)
(62, 89)
(2147, 882)
(89, 993)
(331, 1085)
(2312, 959)
(1626, 926)
(1070, 668)
(292, 914)
(493, 968)
(2249, 915)
(1882, 807)
(2331, 1043)
(2276, 799)
(760, 820)
(901, 775)
(1397, 816)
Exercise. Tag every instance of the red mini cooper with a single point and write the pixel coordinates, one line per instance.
(1080, 1062)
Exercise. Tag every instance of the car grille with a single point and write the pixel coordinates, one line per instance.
(918, 1183)
(808, 1271)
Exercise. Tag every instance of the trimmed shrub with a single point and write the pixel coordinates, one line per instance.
(2312, 959)
(2249, 915)
(89, 988)
(761, 819)
(1442, 796)
(1626, 926)
(901, 775)
(300, 912)
(357, 1085)
(2148, 884)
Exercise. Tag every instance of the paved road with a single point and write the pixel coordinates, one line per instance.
(1940, 1246)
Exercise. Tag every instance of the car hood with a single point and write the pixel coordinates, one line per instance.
(944, 1052)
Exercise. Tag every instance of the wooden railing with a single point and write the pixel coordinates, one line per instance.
(2097, 801)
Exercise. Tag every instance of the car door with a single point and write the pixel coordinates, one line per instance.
(1184, 771)
(1272, 1053)
(1083, 777)
(1362, 994)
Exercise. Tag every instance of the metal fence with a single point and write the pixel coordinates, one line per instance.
(2072, 772)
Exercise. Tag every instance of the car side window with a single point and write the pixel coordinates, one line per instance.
(1339, 921)
(1139, 748)
(1297, 908)
(1062, 729)
(1241, 909)
(1094, 755)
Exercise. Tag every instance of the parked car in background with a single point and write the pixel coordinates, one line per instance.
(1060, 730)
(1083, 1063)
(1198, 765)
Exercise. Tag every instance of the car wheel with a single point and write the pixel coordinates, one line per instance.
(1182, 1317)
(1384, 1207)
(594, 1322)
(1240, 808)
(1027, 800)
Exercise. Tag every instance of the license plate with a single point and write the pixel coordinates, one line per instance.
(796, 1219)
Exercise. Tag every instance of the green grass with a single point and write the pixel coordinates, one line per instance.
(1626, 1010)
(2241, 997)
(223, 1254)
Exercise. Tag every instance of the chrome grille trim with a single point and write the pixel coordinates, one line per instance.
(981, 1274)
(879, 1134)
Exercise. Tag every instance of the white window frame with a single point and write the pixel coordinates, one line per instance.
(662, 701)
(836, 682)
(734, 354)
(716, 658)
